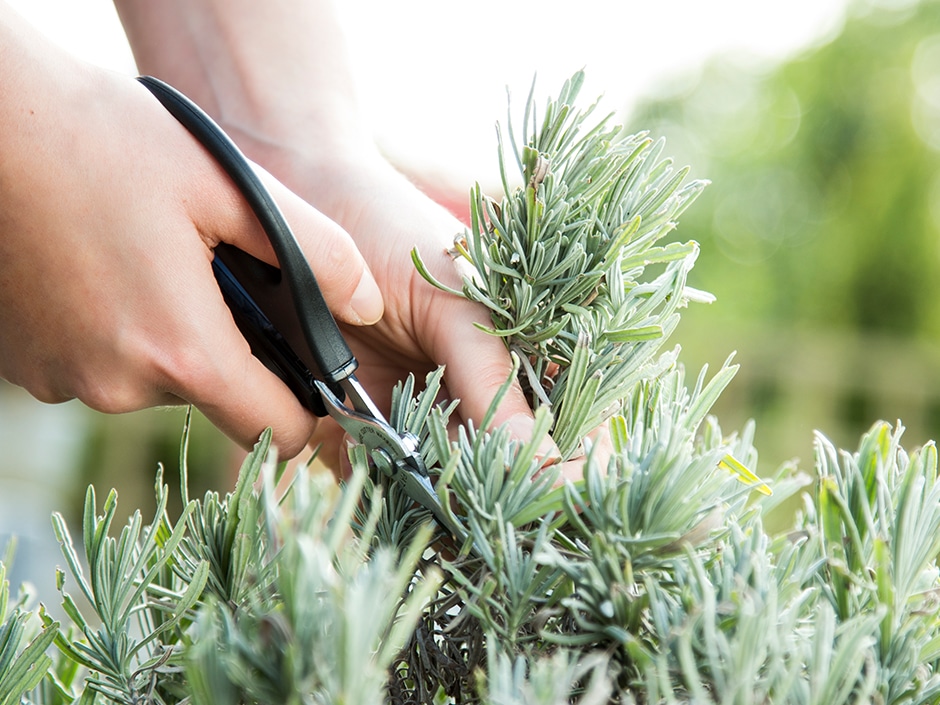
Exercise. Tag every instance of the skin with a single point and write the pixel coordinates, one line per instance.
(276, 78)
(106, 291)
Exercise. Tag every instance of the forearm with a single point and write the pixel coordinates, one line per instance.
(273, 73)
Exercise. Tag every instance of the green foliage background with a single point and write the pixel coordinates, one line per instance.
(651, 579)
(821, 232)
(820, 236)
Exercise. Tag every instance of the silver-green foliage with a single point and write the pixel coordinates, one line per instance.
(640, 573)
(657, 557)
(246, 598)
(331, 619)
(23, 659)
(559, 260)
(653, 577)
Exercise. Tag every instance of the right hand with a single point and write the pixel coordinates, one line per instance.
(109, 210)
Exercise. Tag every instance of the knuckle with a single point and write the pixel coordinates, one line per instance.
(45, 392)
(188, 369)
(96, 389)
(338, 262)
(109, 394)
(110, 382)
(38, 381)
(290, 443)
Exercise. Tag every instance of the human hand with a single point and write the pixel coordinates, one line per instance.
(275, 77)
(109, 211)
(423, 327)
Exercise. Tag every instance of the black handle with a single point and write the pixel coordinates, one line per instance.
(260, 305)
(331, 357)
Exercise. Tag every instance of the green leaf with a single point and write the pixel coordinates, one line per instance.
(28, 670)
(182, 608)
(745, 475)
(425, 272)
(68, 550)
(630, 335)
(706, 399)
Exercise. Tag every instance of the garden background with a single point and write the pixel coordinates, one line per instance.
(817, 123)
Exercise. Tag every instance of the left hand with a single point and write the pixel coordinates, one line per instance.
(423, 327)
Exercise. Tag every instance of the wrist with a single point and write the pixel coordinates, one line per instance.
(274, 75)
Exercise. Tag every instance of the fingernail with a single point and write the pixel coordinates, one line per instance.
(366, 300)
(522, 427)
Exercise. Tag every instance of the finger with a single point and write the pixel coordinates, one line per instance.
(477, 366)
(254, 401)
(332, 448)
(216, 372)
(477, 363)
(344, 278)
(601, 447)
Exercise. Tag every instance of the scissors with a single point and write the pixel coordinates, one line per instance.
(283, 316)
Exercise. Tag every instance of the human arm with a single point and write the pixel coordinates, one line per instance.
(109, 211)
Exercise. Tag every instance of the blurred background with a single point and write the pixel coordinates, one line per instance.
(817, 122)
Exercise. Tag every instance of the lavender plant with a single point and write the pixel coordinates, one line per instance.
(559, 260)
(648, 579)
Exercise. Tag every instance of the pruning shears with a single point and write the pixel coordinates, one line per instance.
(283, 316)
